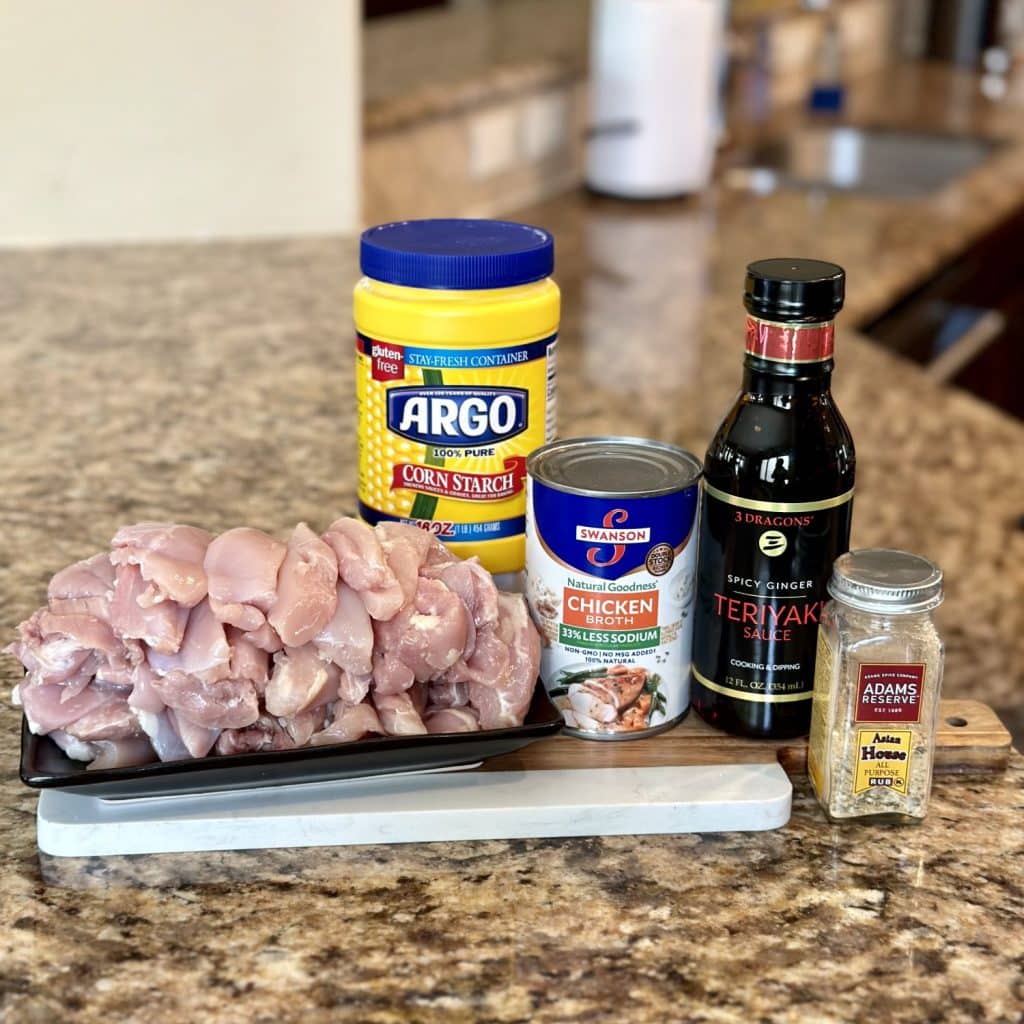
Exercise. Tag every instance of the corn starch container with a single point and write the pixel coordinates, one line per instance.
(610, 577)
(456, 326)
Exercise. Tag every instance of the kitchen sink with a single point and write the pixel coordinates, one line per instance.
(879, 161)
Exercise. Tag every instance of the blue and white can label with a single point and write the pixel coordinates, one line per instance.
(610, 577)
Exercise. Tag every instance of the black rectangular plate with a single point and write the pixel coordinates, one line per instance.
(44, 765)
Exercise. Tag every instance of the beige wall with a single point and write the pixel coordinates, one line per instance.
(162, 119)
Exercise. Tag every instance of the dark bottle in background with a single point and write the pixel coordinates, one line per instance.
(775, 508)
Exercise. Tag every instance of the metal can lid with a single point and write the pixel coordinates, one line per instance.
(887, 581)
(625, 466)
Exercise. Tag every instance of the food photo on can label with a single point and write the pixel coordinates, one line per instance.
(622, 698)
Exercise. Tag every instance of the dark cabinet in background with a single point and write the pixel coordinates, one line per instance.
(966, 324)
(381, 8)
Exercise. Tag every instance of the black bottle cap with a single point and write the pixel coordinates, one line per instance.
(794, 291)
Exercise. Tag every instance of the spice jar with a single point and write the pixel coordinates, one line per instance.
(876, 688)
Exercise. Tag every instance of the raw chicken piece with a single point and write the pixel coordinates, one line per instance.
(225, 704)
(349, 723)
(418, 695)
(407, 549)
(120, 669)
(144, 696)
(489, 660)
(113, 720)
(105, 753)
(45, 707)
(398, 715)
(87, 631)
(475, 587)
(302, 727)
(121, 690)
(429, 550)
(503, 701)
(300, 681)
(65, 648)
(428, 635)
(353, 689)
(76, 749)
(163, 735)
(307, 588)
(372, 630)
(265, 734)
(55, 657)
(204, 651)
(347, 639)
(474, 584)
(198, 739)
(169, 557)
(451, 720)
(160, 626)
(265, 638)
(362, 565)
(247, 660)
(121, 753)
(390, 674)
(85, 587)
(449, 694)
(241, 566)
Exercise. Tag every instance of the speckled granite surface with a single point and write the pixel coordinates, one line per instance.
(811, 923)
(213, 384)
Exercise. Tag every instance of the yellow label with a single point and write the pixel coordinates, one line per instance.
(818, 744)
(883, 759)
(443, 437)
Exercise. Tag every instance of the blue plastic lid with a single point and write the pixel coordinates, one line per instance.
(456, 254)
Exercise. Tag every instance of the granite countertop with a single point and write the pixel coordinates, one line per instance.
(212, 384)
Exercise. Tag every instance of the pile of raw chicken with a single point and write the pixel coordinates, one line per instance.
(177, 644)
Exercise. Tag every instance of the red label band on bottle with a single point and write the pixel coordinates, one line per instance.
(790, 343)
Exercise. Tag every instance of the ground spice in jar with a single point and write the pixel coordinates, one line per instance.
(876, 688)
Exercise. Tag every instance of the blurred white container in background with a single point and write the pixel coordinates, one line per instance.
(655, 69)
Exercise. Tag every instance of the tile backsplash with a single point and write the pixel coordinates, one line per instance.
(483, 159)
(468, 39)
(481, 107)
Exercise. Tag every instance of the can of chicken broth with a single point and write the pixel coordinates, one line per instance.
(611, 577)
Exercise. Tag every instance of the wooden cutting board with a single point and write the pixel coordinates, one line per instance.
(970, 740)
